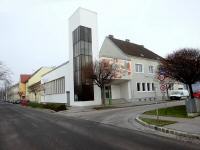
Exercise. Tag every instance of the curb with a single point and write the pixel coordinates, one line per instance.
(167, 130)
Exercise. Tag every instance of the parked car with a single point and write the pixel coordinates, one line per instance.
(196, 94)
(178, 94)
(17, 101)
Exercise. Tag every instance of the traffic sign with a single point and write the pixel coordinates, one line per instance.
(163, 87)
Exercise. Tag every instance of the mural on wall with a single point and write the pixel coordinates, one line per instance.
(124, 67)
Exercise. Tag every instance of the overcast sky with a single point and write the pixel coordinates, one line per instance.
(34, 33)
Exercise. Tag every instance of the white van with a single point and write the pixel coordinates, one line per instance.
(178, 94)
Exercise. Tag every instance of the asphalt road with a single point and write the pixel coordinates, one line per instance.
(28, 129)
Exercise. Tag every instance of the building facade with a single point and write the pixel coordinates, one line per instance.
(83, 49)
(139, 81)
(34, 90)
(13, 93)
(69, 83)
(56, 85)
(22, 85)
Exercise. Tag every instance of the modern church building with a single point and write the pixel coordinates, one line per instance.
(69, 82)
(83, 49)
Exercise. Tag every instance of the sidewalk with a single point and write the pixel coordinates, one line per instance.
(114, 105)
(190, 125)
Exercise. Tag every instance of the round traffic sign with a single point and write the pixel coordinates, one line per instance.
(162, 87)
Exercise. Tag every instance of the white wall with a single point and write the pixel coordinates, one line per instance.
(125, 90)
(145, 77)
(62, 71)
(115, 91)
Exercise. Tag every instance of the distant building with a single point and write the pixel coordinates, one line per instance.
(13, 92)
(22, 84)
(34, 90)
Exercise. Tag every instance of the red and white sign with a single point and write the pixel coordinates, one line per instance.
(163, 87)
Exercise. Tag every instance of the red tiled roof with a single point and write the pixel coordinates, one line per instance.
(24, 77)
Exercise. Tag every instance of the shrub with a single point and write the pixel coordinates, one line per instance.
(52, 106)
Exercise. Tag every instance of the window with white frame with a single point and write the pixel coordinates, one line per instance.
(153, 87)
(151, 69)
(148, 86)
(143, 87)
(138, 86)
(55, 87)
(138, 68)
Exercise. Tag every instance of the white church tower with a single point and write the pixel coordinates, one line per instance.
(83, 50)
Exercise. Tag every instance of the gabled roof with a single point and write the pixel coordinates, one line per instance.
(24, 77)
(134, 49)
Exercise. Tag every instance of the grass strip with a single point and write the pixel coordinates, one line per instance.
(175, 111)
(157, 122)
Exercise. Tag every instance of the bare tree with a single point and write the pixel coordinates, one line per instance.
(183, 66)
(103, 73)
(5, 73)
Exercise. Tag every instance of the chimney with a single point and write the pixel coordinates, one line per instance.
(127, 40)
(110, 36)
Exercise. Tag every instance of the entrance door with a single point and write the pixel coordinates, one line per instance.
(68, 98)
(108, 92)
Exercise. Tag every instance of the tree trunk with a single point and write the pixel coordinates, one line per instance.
(102, 95)
(191, 91)
(35, 96)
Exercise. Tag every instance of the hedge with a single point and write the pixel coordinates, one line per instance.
(52, 106)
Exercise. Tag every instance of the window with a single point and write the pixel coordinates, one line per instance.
(151, 69)
(138, 68)
(143, 86)
(148, 86)
(138, 86)
(153, 87)
(82, 48)
(55, 87)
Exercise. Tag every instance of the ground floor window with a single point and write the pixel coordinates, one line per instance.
(138, 86)
(145, 86)
(148, 86)
(55, 87)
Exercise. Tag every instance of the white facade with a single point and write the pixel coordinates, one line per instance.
(81, 17)
(141, 70)
(61, 71)
(127, 88)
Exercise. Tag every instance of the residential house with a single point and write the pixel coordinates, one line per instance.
(13, 92)
(34, 90)
(137, 78)
(22, 85)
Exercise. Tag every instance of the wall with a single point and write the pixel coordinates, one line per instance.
(144, 77)
(125, 90)
(13, 93)
(115, 91)
(61, 71)
(35, 79)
